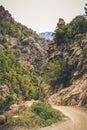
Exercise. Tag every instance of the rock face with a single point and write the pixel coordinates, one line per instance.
(76, 56)
(4, 13)
(74, 95)
(14, 107)
(4, 91)
(61, 21)
(2, 119)
(29, 50)
(24, 41)
(73, 54)
(32, 53)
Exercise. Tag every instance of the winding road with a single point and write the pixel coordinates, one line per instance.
(77, 119)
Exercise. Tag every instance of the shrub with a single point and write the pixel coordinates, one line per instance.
(62, 34)
(45, 112)
(56, 72)
(22, 118)
(79, 25)
(24, 51)
(1, 105)
(9, 100)
(39, 114)
(11, 27)
(68, 32)
(21, 81)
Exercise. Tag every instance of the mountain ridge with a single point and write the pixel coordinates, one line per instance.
(46, 35)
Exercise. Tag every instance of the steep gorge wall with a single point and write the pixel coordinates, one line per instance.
(76, 55)
(74, 95)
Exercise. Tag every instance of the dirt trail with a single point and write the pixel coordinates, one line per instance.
(77, 119)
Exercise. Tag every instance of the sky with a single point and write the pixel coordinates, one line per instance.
(43, 15)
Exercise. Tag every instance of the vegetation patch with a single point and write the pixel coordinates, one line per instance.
(45, 112)
(21, 81)
(57, 71)
(67, 32)
(38, 115)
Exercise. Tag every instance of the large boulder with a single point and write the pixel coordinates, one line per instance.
(4, 91)
(2, 119)
(61, 21)
(14, 107)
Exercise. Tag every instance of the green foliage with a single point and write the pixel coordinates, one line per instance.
(39, 114)
(57, 72)
(79, 25)
(45, 112)
(23, 117)
(24, 51)
(9, 26)
(68, 32)
(79, 36)
(62, 34)
(4, 104)
(15, 29)
(1, 106)
(17, 76)
(51, 71)
(10, 99)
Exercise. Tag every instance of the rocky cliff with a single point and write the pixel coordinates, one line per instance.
(22, 53)
(75, 54)
(74, 95)
(24, 41)
(65, 64)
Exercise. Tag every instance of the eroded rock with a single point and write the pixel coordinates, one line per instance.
(74, 95)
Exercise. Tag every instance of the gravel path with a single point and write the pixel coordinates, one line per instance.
(77, 119)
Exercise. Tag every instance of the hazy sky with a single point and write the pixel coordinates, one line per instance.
(43, 15)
